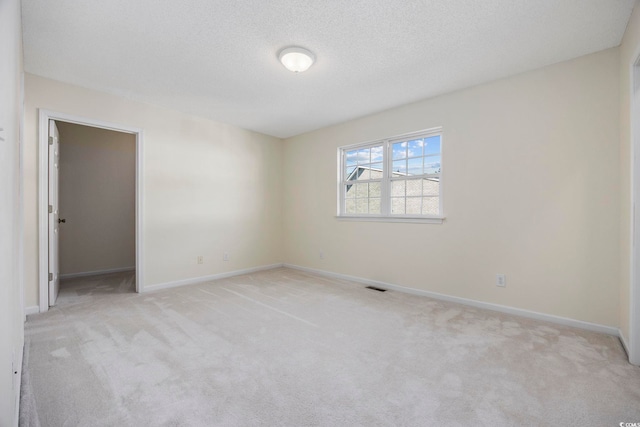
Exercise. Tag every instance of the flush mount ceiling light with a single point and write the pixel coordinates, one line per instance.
(296, 59)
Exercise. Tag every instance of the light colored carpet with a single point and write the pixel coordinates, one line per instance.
(287, 348)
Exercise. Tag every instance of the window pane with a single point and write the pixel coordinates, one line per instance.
(414, 205)
(414, 187)
(415, 148)
(432, 164)
(431, 187)
(362, 206)
(415, 166)
(376, 154)
(363, 173)
(362, 190)
(364, 156)
(397, 205)
(348, 172)
(432, 145)
(350, 191)
(376, 171)
(397, 188)
(350, 206)
(352, 157)
(431, 206)
(374, 189)
(399, 150)
(399, 167)
(374, 206)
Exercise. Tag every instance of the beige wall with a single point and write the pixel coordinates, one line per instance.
(629, 49)
(208, 187)
(530, 184)
(11, 314)
(97, 199)
(535, 186)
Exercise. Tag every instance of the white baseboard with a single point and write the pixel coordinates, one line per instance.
(96, 272)
(609, 330)
(194, 280)
(34, 309)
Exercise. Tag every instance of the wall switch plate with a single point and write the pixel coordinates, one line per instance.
(321, 253)
(200, 259)
(225, 256)
(501, 280)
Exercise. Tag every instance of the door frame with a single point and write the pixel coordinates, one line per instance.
(633, 347)
(54, 228)
(43, 189)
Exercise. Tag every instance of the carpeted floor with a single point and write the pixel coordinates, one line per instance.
(286, 348)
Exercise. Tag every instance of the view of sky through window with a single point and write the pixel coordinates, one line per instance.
(406, 182)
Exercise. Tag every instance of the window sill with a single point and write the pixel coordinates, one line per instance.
(405, 219)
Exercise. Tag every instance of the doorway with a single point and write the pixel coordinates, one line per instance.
(74, 263)
(96, 195)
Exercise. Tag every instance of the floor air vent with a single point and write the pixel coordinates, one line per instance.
(376, 289)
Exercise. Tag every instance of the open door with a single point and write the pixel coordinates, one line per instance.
(54, 216)
(48, 220)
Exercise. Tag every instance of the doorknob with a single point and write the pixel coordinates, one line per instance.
(61, 220)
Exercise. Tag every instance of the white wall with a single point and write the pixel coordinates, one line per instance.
(531, 189)
(628, 49)
(97, 199)
(208, 186)
(11, 313)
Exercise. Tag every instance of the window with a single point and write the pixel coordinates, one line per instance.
(395, 178)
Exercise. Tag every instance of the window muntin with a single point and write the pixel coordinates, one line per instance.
(398, 177)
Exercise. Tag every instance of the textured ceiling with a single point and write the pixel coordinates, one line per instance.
(218, 58)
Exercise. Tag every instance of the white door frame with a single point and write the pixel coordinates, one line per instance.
(634, 286)
(54, 213)
(43, 187)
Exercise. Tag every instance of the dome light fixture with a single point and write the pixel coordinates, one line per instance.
(296, 59)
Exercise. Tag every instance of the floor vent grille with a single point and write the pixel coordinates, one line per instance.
(376, 289)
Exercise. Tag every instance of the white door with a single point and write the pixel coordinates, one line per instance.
(54, 215)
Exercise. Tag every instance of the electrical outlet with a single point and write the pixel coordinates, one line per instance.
(225, 256)
(321, 253)
(200, 259)
(501, 280)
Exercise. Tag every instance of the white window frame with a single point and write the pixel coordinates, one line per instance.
(387, 161)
